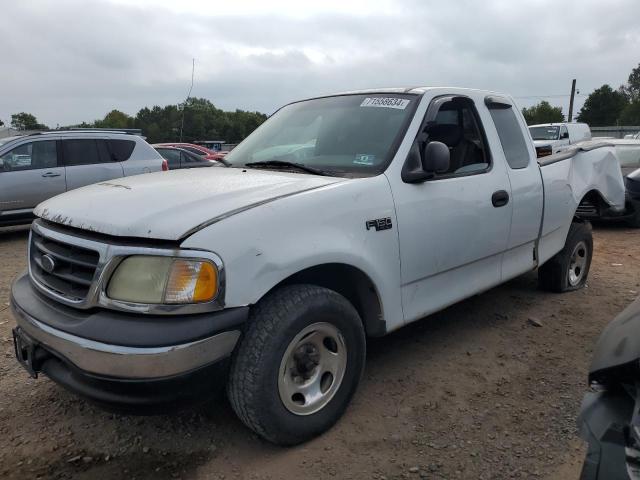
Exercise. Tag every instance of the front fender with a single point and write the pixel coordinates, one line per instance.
(263, 246)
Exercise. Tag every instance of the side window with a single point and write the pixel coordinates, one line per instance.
(30, 156)
(81, 152)
(186, 158)
(511, 138)
(564, 133)
(103, 151)
(121, 150)
(194, 150)
(457, 125)
(171, 156)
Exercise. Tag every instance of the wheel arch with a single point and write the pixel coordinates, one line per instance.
(590, 205)
(350, 282)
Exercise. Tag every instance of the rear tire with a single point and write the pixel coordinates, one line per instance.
(298, 364)
(569, 268)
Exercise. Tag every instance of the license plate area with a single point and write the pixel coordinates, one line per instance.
(25, 349)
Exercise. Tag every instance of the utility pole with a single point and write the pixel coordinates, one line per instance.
(573, 94)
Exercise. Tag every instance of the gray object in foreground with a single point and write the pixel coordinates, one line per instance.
(610, 415)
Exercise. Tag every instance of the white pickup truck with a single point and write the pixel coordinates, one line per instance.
(340, 218)
(549, 138)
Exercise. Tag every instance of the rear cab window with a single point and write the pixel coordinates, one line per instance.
(510, 133)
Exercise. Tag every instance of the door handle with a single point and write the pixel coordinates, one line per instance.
(500, 198)
(50, 174)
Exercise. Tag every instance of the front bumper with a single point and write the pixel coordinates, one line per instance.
(119, 358)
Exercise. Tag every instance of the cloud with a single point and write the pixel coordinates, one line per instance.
(72, 60)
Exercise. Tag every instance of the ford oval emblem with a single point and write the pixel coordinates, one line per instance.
(48, 263)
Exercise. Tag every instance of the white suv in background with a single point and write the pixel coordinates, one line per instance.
(39, 166)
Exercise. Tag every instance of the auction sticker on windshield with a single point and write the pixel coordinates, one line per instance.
(364, 159)
(385, 102)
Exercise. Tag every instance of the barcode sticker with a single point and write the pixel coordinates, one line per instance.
(385, 102)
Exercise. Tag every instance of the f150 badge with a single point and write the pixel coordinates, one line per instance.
(379, 224)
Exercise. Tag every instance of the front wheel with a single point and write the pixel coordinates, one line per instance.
(568, 269)
(298, 364)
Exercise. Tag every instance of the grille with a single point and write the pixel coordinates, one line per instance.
(70, 273)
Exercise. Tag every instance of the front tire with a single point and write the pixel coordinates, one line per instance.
(568, 269)
(298, 364)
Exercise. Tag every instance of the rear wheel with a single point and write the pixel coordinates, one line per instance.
(569, 268)
(298, 365)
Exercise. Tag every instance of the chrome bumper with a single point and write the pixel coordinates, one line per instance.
(127, 362)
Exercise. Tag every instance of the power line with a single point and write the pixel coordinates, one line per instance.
(546, 96)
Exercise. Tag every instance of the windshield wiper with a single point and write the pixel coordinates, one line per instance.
(284, 163)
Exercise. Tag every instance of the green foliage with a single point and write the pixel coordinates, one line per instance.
(631, 114)
(202, 121)
(603, 107)
(632, 88)
(115, 119)
(542, 113)
(26, 121)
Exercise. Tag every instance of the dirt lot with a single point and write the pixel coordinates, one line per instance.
(476, 391)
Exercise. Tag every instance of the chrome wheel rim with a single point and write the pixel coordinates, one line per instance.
(577, 263)
(312, 368)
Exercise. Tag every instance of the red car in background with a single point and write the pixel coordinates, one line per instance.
(197, 149)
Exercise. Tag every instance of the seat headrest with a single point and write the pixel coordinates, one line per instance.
(446, 133)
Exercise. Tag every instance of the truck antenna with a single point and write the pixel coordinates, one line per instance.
(184, 105)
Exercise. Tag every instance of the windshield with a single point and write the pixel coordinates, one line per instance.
(348, 134)
(544, 133)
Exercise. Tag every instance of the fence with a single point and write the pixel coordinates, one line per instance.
(615, 131)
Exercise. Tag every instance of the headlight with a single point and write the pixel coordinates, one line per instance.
(150, 279)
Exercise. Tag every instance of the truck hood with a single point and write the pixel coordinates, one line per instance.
(171, 205)
(544, 143)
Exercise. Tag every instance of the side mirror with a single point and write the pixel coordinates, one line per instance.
(564, 135)
(436, 158)
(422, 166)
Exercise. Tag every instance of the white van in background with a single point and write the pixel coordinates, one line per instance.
(550, 138)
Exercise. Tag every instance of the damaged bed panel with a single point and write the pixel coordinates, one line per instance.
(568, 176)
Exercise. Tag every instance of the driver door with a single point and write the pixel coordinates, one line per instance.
(453, 228)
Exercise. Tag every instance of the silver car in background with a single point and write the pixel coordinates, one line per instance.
(39, 166)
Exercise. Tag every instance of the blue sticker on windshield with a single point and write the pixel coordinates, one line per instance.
(364, 159)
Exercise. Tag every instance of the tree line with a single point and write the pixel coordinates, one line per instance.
(603, 107)
(202, 121)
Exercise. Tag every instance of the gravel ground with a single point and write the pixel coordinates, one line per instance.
(477, 391)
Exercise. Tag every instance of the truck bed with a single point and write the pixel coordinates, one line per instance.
(567, 177)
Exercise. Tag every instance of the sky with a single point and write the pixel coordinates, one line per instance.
(68, 61)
